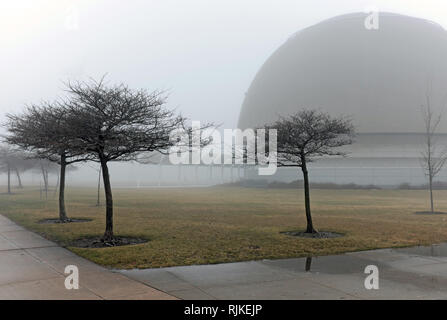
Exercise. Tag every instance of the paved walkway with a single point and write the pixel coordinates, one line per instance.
(32, 267)
(413, 273)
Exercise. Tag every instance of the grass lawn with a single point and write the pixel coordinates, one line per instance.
(213, 225)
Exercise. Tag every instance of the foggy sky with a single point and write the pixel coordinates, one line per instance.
(206, 53)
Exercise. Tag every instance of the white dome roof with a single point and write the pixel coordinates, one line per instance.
(377, 77)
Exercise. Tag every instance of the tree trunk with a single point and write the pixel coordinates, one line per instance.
(62, 212)
(431, 193)
(45, 180)
(310, 227)
(19, 179)
(9, 179)
(46, 184)
(43, 176)
(108, 235)
(98, 200)
(57, 184)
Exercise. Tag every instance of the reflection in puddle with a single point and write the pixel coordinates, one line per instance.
(308, 263)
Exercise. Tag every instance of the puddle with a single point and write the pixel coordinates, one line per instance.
(339, 264)
(348, 264)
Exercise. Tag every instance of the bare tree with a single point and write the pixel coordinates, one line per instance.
(98, 197)
(44, 167)
(116, 123)
(432, 159)
(22, 164)
(305, 136)
(44, 130)
(7, 158)
(14, 161)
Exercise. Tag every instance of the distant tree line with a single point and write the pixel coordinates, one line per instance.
(14, 162)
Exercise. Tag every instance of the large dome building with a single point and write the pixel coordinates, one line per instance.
(379, 78)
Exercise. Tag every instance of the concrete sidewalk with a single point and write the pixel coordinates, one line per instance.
(412, 273)
(32, 267)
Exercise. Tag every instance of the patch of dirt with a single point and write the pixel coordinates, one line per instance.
(317, 235)
(98, 242)
(55, 220)
(429, 212)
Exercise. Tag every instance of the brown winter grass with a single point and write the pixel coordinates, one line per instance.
(213, 225)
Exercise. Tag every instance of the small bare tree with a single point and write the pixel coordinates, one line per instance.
(23, 164)
(432, 159)
(45, 167)
(15, 161)
(116, 123)
(44, 130)
(305, 136)
(7, 160)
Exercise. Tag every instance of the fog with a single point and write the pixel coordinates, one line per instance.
(204, 53)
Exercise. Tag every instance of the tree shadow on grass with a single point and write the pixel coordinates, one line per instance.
(58, 221)
(98, 242)
(430, 212)
(316, 235)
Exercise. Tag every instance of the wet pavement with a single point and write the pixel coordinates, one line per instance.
(407, 273)
(32, 267)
